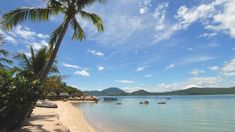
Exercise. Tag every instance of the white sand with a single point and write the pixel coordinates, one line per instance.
(65, 118)
(72, 117)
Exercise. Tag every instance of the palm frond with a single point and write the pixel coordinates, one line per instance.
(5, 60)
(78, 31)
(57, 3)
(55, 35)
(25, 62)
(40, 61)
(4, 52)
(83, 3)
(12, 18)
(94, 18)
(54, 69)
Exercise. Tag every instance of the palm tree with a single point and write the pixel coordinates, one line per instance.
(31, 67)
(69, 8)
(54, 84)
(3, 54)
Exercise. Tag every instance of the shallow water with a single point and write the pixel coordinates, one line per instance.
(180, 114)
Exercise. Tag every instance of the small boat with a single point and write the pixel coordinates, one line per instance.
(161, 102)
(46, 104)
(118, 103)
(168, 98)
(141, 102)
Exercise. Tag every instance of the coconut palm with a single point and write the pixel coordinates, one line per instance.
(69, 8)
(3, 54)
(31, 67)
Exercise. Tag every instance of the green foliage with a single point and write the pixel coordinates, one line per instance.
(55, 84)
(72, 91)
(18, 96)
(16, 16)
(31, 67)
(3, 54)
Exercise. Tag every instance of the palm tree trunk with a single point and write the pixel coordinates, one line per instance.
(55, 50)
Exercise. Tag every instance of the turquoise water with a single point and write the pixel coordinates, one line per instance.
(179, 114)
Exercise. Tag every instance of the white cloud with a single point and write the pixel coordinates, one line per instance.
(229, 67)
(125, 81)
(196, 72)
(83, 73)
(163, 30)
(186, 16)
(24, 32)
(170, 66)
(24, 35)
(216, 16)
(148, 75)
(10, 39)
(96, 53)
(192, 82)
(226, 19)
(159, 15)
(144, 6)
(139, 69)
(100, 68)
(43, 36)
(38, 45)
(214, 68)
(71, 66)
(227, 70)
(196, 59)
(208, 35)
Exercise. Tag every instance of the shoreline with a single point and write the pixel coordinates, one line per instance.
(65, 118)
(73, 117)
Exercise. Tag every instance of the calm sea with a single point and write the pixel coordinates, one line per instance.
(180, 114)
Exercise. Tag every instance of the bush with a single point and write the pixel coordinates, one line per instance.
(18, 96)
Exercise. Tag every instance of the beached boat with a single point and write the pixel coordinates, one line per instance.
(46, 104)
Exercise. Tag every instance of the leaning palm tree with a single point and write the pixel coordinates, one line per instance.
(69, 8)
(31, 67)
(3, 54)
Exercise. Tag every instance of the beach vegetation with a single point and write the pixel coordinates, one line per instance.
(31, 66)
(18, 95)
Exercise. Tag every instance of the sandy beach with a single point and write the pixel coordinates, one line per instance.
(65, 118)
(72, 117)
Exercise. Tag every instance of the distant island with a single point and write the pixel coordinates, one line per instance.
(113, 91)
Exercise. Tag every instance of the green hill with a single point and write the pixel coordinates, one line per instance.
(141, 92)
(202, 91)
(113, 91)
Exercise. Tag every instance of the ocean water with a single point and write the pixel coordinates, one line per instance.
(180, 114)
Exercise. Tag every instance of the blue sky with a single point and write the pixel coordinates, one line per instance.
(155, 45)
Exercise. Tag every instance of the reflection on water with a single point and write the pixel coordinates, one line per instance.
(179, 114)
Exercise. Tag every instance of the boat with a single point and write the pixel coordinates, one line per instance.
(46, 104)
(118, 103)
(161, 102)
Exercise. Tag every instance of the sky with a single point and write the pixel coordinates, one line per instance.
(156, 45)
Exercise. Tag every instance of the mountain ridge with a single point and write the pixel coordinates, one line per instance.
(114, 91)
